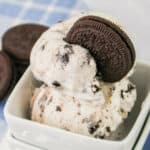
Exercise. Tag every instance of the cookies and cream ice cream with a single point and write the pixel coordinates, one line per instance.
(85, 117)
(84, 64)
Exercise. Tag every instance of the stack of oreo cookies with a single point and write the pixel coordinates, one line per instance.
(17, 43)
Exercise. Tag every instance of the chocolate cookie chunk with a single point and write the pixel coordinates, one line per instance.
(19, 40)
(110, 46)
(6, 74)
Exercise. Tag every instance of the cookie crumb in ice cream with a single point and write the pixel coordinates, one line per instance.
(95, 88)
(79, 105)
(42, 108)
(69, 47)
(42, 100)
(130, 88)
(92, 128)
(121, 110)
(89, 90)
(56, 84)
(50, 100)
(98, 136)
(121, 94)
(112, 88)
(99, 121)
(43, 47)
(40, 115)
(65, 128)
(108, 129)
(65, 58)
(87, 60)
(58, 108)
(98, 76)
(78, 113)
(108, 44)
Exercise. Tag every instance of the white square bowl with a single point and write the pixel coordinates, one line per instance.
(13, 144)
(17, 110)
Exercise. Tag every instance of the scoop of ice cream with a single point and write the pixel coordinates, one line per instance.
(91, 118)
(67, 67)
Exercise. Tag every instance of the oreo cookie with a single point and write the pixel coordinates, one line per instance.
(19, 40)
(6, 74)
(110, 46)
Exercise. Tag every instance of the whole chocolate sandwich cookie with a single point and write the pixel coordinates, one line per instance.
(110, 46)
(18, 41)
(7, 74)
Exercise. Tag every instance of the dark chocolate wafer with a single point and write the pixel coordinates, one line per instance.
(19, 40)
